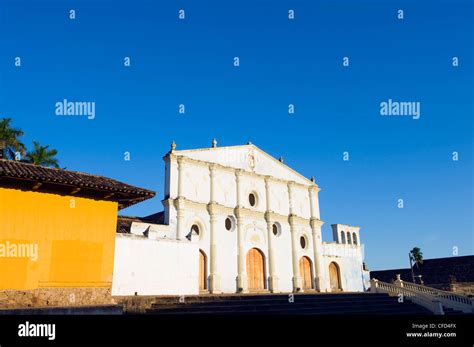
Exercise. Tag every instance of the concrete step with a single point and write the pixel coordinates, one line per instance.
(275, 303)
(269, 297)
(276, 298)
(271, 308)
(347, 303)
(389, 310)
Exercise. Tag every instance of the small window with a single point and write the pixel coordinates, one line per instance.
(195, 229)
(354, 238)
(303, 242)
(349, 238)
(276, 229)
(343, 237)
(252, 199)
(194, 233)
(228, 223)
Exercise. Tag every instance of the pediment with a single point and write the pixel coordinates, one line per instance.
(249, 158)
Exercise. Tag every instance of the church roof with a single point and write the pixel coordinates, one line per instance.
(124, 223)
(25, 176)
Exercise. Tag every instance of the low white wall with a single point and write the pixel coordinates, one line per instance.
(155, 267)
(349, 259)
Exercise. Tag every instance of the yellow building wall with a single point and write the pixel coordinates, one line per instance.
(74, 238)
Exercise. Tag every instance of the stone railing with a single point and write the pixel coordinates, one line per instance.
(430, 298)
(433, 305)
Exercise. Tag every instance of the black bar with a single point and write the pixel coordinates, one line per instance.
(259, 329)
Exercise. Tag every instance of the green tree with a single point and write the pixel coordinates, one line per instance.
(10, 139)
(42, 155)
(416, 257)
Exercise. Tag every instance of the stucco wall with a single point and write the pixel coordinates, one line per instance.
(349, 260)
(74, 239)
(152, 267)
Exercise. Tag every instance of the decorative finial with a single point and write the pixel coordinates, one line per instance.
(214, 143)
(173, 146)
(249, 143)
(281, 159)
(313, 179)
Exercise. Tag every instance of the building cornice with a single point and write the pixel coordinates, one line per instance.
(238, 211)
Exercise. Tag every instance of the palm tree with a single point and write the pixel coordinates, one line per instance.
(42, 155)
(416, 256)
(9, 139)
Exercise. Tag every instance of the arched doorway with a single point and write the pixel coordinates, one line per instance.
(202, 270)
(334, 277)
(306, 272)
(255, 270)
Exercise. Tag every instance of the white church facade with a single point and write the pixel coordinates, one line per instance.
(236, 220)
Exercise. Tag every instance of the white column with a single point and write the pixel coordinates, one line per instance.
(273, 279)
(297, 284)
(214, 277)
(318, 257)
(316, 224)
(180, 161)
(242, 285)
(212, 175)
(179, 203)
(314, 201)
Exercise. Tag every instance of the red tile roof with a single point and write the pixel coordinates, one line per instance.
(15, 174)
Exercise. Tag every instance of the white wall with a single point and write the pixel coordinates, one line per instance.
(283, 259)
(226, 255)
(279, 198)
(197, 183)
(349, 260)
(155, 267)
(226, 186)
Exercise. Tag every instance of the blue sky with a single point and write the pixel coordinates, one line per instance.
(282, 62)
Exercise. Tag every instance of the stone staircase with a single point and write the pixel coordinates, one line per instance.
(439, 302)
(280, 304)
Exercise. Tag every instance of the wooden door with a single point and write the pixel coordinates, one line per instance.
(334, 277)
(255, 270)
(202, 271)
(306, 273)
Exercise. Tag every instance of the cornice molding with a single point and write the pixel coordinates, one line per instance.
(215, 166)
(239, 211)
(316, 223)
